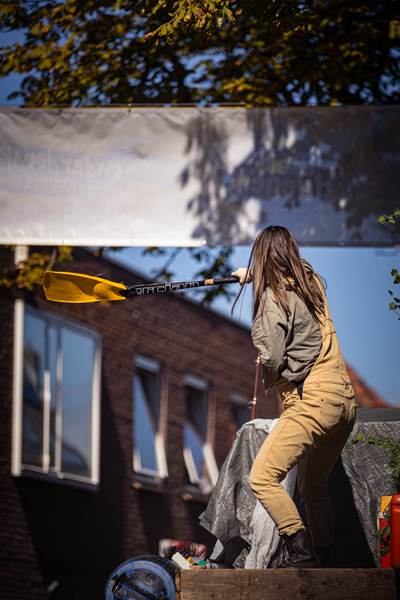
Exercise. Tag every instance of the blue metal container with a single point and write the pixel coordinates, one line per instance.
(143, 578)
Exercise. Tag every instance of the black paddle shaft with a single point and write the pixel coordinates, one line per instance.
(147, 289)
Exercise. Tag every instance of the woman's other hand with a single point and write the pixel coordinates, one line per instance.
(243, 274)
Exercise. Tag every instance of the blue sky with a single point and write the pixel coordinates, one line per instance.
(358, 281)
(12, 82)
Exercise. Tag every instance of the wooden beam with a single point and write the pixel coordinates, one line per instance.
(285, 584)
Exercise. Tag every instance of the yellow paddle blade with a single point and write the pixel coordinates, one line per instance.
(73, 287)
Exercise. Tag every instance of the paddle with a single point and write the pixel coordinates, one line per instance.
(73, 287)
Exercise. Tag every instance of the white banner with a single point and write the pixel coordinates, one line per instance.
(183, 177)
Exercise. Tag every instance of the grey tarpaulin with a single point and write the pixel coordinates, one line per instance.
(359, 479)
(234, 515)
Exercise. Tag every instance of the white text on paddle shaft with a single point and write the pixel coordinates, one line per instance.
(165, 287)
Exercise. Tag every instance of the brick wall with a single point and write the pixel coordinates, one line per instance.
(77, 537)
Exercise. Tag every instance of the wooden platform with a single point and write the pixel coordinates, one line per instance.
(287, 584)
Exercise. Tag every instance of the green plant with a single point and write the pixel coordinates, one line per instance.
(384, 443)
(395, 212)
(29, 273)
(395, 304)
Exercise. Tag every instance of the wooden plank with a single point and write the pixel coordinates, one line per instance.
(287, 584)
(178, 583)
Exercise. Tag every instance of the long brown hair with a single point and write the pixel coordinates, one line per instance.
(276, 264)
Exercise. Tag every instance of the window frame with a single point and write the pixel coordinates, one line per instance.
(237, 399)
(197, 383)
(145, 364)
(47, 472)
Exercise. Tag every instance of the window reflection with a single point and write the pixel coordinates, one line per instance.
(145, 424)
(34, 365)
(194, 438)
(241, 415)
(77, 390)
(53, 343)
(193, 442)
(58, 372)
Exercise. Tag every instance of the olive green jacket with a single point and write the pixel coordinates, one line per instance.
(289, 345)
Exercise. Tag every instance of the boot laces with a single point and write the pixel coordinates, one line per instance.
(287, 554)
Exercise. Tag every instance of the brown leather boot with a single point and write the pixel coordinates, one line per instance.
(297, 552)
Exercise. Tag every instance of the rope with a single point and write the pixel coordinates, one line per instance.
(254, 401)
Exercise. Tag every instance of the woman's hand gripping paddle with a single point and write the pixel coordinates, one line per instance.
(73, 287)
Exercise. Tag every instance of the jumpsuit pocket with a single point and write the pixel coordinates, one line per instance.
(331, 412)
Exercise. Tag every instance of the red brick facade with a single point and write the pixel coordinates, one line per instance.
(77, 537)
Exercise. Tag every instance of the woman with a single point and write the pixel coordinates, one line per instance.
(301, 357)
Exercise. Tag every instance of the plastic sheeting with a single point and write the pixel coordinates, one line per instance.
(360, 477)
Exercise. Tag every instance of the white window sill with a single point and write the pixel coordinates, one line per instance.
(64, 479)
(148, 483)
(192, 493)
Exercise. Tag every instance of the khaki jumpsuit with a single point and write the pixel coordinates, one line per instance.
(318, 418)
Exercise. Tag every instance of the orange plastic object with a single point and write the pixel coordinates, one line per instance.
(385, 560)
(395, 531)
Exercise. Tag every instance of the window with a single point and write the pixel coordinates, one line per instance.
(240, 413)
(148, 442)
(241, 409)
(198, 455)
(56, 423)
